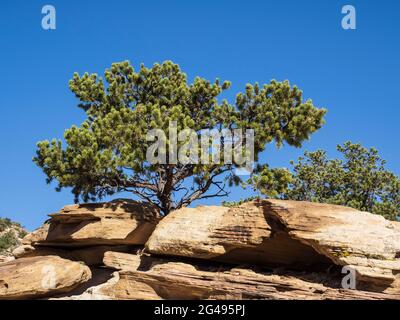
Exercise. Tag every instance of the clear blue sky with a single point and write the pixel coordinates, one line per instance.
(353, 73)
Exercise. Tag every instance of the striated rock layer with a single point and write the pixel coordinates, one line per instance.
(243, 234)
(144, 277)
(120, 222)
(294, 234)
(91, 256)
(269, 249)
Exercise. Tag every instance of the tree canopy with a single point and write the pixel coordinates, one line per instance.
(106, 154)
(359, 180)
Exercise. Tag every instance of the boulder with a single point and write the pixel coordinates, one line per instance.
(119, 222)
(146, 277)
(36, 277)
(294, 234)
(366, 242)
(243, 234)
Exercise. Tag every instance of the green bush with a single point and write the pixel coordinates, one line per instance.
(238, 203)
(22, 233)
(8, 240)
(5, 223)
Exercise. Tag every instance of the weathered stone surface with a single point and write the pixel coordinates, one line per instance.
(91, 256)
(112, 223)
(298, 235)
(37, 236)
(208, 253)
(37, 277)
(97, 288)
(367, 242)
(23, 251)
(126, 261)
(4, 258)
(144, 277)
(243, 234)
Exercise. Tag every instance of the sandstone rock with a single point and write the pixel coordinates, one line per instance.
(4, 258)
(367, 242)
(113, 223)
(97, 288)
(126, 261)
(207, 253)
(23, 251)
(91, 256)
(243, 234)
(298, 235)
(142, 277)
(37, 277)
(37, 236)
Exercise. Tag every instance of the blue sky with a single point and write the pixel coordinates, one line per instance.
(353, 73)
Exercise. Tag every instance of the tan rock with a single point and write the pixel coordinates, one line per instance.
(112, 223)
(4, 258)
(37, 236)
(142, 277)
(298, 235)
(126, 261)
(37, 277)
(91, 256)
(367, 242)
(23, 251)
(97, 288)
(241, 234)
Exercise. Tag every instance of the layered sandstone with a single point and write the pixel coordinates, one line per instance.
(269, 249)
(120, 222)
(146, 277)
(286, 233)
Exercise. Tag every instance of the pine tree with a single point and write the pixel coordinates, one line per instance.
(359, 180)
(106, 154)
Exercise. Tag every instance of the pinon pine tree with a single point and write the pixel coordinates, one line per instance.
(106, 154)
(359, 180)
